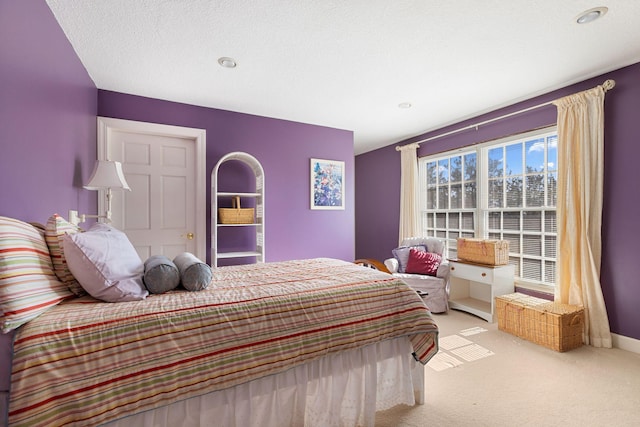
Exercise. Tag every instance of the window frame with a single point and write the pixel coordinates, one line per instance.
(482, 212)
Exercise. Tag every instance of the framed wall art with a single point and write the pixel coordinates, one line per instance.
(327, 184)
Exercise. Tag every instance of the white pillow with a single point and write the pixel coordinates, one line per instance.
(105, 264)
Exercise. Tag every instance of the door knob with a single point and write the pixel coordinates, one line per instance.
(190, 236)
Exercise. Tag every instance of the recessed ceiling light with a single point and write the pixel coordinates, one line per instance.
(591, 15)
(227, 62)
(404, 105)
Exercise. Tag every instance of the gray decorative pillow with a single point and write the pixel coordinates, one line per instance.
(194, 274)
(160, 274)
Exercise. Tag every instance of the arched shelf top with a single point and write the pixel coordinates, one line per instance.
(241, 156)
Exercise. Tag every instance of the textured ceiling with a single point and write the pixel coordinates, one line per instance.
(348, 64)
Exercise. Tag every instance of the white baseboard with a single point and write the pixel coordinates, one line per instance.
(625, 343)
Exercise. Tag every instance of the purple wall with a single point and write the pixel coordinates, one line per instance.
(378, 199)
(48, 108)
(377, 203)
(293, 230)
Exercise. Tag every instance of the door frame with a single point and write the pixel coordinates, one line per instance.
(105, 128)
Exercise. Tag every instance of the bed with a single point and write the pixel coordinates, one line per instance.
(315, 342)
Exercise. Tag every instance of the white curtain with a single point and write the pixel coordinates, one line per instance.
(409, 224)
(579, 208)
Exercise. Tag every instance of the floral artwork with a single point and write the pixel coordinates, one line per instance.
(327, 184)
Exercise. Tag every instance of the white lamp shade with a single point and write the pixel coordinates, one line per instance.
(107, 174)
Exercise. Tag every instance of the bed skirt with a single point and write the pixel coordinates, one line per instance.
(344, 389)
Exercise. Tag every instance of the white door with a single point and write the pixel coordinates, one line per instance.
(164, 213)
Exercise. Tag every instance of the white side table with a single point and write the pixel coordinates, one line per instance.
(473, 287)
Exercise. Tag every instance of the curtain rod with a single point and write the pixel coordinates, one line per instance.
(607, 85)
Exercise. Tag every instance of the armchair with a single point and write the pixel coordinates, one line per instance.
(436, 286)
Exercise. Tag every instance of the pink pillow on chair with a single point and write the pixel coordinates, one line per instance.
(423, 263)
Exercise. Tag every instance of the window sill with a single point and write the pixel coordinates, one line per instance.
(539, 291)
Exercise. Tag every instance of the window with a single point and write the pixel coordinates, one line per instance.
(450, 192)
(503, 189)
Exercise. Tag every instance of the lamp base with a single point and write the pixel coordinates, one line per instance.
(74, 218)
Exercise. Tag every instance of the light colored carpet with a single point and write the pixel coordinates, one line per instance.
(496, 379)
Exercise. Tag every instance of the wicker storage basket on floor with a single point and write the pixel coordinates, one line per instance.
(552, 325)
(236, 214)
(483, 251)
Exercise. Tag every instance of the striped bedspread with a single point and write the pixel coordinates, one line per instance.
(86, 362)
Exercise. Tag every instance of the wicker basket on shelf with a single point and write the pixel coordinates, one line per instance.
(236, 214)
(484, 251)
